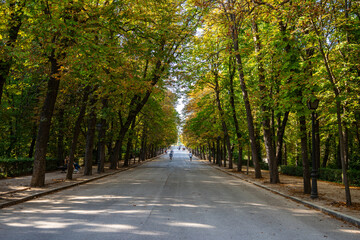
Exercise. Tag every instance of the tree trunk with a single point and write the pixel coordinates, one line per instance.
(76, 132)
(38, 176)
(332, 81)
(317, 141)
(127, 153)
(223, 123)
(218, 156)
(214, 153)
(90, 136)
(209, 151)
(102, 139)
(232, 71)
(224, 153)
(266, 111)
(280, 137)
(346, 145)
(285, 154)
(129, 144)
(305, 155)
(249, 117)
(32, 145)
(327, 150)
(114, 158)
(143, 143)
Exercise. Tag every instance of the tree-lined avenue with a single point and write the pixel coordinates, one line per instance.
(168, 199)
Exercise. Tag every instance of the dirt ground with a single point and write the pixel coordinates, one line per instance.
(331, 195)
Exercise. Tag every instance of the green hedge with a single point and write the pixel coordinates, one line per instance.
(291, 170)
(326, 174)
(10, 167)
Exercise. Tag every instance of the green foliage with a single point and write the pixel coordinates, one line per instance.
(291, 170)
(305, 51)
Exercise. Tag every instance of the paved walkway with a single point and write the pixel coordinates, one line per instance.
(331, 196)
(17, 190)
(166, 199)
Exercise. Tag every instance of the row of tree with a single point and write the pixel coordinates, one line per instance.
(76, 72)
(257, 64)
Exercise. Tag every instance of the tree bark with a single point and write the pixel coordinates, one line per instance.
(317, 141)
(266, 111)
(90, 136)
(280, 137)
(218, 155)
(38, 176)
(223, 123)
(332, 81)
(129, 144)
(209, 151)
(102, 139)
(232, 71)
(214, 152)
(249, 117)
(143, 143)
(225, 151)
(76, 132)
(327, 151)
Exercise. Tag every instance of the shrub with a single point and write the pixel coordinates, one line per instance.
(291, 170)
(329, 174)
(354, 177)
(264, 166)
(326, 174)
(13, 167)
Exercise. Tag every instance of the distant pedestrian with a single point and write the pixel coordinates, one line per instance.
(171, 154)
(190, 156)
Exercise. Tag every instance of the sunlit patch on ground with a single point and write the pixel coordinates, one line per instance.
(353, 231)
(189, 224)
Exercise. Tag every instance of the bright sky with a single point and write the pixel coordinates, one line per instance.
(179, 107)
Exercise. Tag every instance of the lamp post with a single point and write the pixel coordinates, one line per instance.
(313, 105)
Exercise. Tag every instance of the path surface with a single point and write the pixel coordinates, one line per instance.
(166, 199)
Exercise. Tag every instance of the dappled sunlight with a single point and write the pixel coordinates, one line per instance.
(255, 204)
(352, 231)
(41, 224)
(20, 225)
(235, 183)
(189, 224)
(106, 211)
(105, 228)
(207, 181)
(51, 211)
(300, 211)
(223, 202)
(98, 197)
(184, 205)
(218, 177)
(150, 233)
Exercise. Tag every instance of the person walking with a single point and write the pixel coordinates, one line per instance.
(171, 154)
(190, 156)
